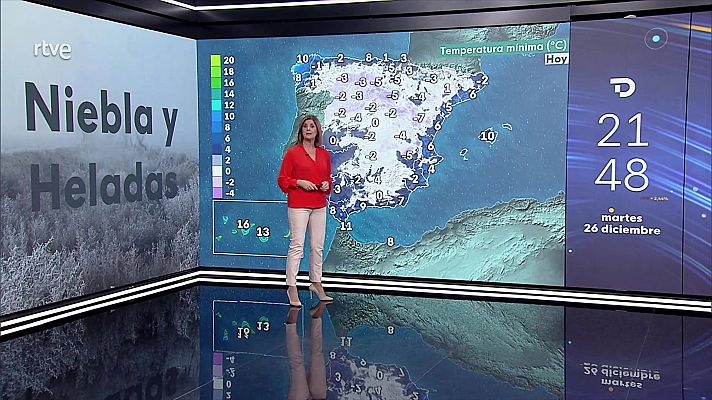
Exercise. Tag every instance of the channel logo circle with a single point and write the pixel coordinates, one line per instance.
(656, 38)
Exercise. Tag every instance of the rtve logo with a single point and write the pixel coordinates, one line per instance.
(61, 50)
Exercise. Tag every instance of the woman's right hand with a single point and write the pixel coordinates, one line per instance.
(306, 185)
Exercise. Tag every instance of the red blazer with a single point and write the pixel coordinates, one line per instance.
(298, 165)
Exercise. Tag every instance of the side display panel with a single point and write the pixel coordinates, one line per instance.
(447, 150)
(697, 268)
(626, 153)
(99, 155)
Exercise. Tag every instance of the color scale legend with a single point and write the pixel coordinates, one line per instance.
(217, 123)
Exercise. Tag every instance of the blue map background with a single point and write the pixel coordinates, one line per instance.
(528, 162)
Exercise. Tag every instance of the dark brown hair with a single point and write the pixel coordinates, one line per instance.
(319, 132)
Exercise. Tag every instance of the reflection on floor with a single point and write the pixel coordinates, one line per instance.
(247, 343)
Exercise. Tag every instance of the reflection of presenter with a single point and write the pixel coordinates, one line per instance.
(305, 176)
(301, 387)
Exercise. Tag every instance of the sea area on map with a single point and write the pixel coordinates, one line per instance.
(527, 162)
(430, 368)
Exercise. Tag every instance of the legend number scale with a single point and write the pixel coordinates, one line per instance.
(222, 98)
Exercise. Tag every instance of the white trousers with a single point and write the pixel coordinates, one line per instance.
(301, 219)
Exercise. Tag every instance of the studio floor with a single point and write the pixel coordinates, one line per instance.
(220, 342)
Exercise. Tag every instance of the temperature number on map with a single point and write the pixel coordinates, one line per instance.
(246, 226)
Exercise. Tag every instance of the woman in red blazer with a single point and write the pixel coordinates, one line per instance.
(305, 176)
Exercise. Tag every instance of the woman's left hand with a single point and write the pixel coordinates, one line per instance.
(324, 186)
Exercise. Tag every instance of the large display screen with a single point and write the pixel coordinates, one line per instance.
(99, 168)
(627, 169)
(447, 150)
(555, 154)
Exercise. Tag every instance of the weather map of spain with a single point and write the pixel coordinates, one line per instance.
(381, 124)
